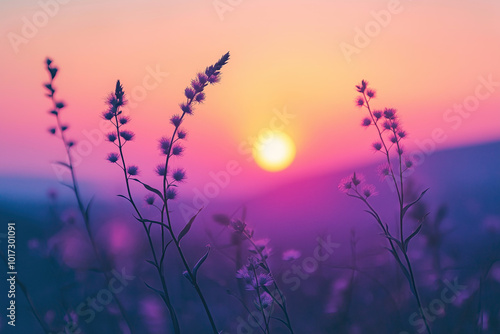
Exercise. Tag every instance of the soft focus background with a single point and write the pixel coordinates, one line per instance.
(293, 64)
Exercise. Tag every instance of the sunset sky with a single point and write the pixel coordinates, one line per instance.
(293, 63)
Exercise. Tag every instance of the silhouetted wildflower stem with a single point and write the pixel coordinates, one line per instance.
(257, 281)
(193, 94)
(68, 144)
(169, 147)
(387, 122)
(116, 100)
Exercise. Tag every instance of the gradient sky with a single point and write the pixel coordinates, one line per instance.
(285, 56)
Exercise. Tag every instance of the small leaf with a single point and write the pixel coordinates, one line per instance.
(63, 164)
(67, 185)
(53, 72)
(407, 240)
(408, 206)
(199, 263)
(124, 197)
(166, 246)
(186, 275)
(152, 263)
(186, 228)
(395, 240)
(155, 290)
(87, 210)
(152, 222)
(148, 187)
(371, 213)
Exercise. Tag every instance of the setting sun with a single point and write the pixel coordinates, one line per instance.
(274, 151)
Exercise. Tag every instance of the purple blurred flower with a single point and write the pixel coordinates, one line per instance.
(291, 255)
(189, 93)
(360, 101)
(369, 190)
(390, 113)
(362, 87)
(160, 170)
(164, 145)
(197, 86)
(177, 150)
(179, 174)
(238, 225)
(370, 93)
(176, 120)
(181, 134)
(202, 78)
(127, 135)
(384, 170)
(377, 146)
(357, 179)
(111, 137)
(108, 115)
(171, 193)
(113, 157)
(265, 300)
(200, 97)
(186, 108)
(408, 162)
(133, 170)
(150, 199)
(345, 184)
(124, 120)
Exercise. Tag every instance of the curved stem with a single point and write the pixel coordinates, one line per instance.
(83, 211)
(165, 296)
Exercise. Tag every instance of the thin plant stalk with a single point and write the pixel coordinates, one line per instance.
(351, 185)
(57, 106)
(211, 75)
(282, 302)
(400, 193)
(158, 264)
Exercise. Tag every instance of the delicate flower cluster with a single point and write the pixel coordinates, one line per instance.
(119, 137)
(355, 185)
(389, 130)
(57, 105)
(390, 135)
(194, 94)
(240, 226)
(252, 276)
(386, 121)
(257, 278)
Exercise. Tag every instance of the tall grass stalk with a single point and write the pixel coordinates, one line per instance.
(389, 143)
(259, 282)
(57, 107)
(171, 147)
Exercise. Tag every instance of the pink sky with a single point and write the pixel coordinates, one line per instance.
(285, 56)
